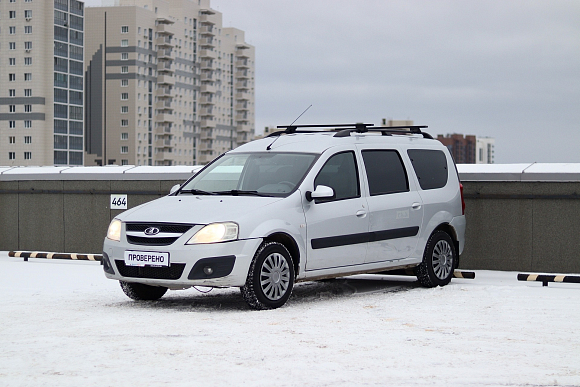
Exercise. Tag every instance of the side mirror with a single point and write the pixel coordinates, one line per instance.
(321, 192)
(174, 188)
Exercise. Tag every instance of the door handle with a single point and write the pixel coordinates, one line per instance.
(361, 213)
(416, 206)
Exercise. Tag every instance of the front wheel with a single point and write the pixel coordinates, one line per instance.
(438, 261)
(142, 292)
(270, 278)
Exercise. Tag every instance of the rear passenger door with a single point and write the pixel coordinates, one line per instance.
(395, 207)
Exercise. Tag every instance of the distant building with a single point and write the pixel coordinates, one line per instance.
(385, 122)
(41, 82)
(469, 149)
(485, 150)
(167, 84)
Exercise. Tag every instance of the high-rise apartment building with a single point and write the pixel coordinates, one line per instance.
(166, 84)
(41, 82)
(485, 150)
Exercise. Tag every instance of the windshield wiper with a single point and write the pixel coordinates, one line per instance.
(197, 192)
(236, 192)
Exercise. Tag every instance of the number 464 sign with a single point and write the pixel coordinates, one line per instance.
(118, 202)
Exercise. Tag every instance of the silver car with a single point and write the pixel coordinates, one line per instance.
(301, 204)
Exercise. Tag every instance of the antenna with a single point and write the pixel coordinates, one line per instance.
(270, 146)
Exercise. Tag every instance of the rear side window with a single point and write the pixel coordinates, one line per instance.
(430, 167)
(385, 172)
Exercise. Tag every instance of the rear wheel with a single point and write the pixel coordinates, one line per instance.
(142, 292)
(438, 261)
(270, 278)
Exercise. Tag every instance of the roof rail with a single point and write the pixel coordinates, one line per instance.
(289, 129)
(388, 130)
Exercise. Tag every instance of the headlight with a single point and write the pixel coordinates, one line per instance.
(215, 232)
(114, 232)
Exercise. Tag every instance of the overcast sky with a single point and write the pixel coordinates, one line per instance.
(505, 69)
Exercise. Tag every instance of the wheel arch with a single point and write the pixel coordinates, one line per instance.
(290, 244)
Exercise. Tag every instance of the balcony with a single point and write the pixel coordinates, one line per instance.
(163, 105)
(242, 106)
(243, 96)
(164, 54)
(164, 41)
(206, 65)
(242, 74)
(206, 76)
(206, 111)
(206, 99)
(244, 128)
(207, 17)
(242, 63)
(165, 29)
(166, 79)
(242, 84)
(206, 42)
(208, 89)
(207, 134)
(164, 117)
(208, 54)
(208, 124)
(206, 29)
(164, 67)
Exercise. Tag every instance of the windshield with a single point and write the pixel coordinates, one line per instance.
(261, 174)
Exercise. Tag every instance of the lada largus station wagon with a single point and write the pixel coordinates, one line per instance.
(308, 202)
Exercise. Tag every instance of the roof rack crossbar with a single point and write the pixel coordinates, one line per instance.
(389, 130)
(289, 129)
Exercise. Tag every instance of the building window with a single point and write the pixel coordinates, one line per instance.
(76, 52)
(12, 108)
(124, 149)
(124, 123)
(124, 109)
(124, 29)
(28, 13)
(11, 155)
(28, 139)
(12, 30)
(60, 157)
(28, 77)
(28, 124)
(12, 61)
(75, 143)
(76, 67)
(125, 43)
(12, 93)
(12, 45)
(27, 61)
(124, 82)
(12, 140)
(76, 128)
(27, 29)
(124, 162)
(12, 124)
(27, 155)
(27, 108)
(28, 92)
(76, 113)
(12, 14)
(28, 45)
(76, 82)
(11, 77)
(124, 69)
(124, 56)
(124, 135)
(124, 96)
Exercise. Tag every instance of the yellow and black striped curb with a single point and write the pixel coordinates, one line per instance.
(38, 254)
(464, 274)
(545, 278)
(410, 272)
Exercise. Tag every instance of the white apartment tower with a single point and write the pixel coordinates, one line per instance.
(41, 82)
(166, 84)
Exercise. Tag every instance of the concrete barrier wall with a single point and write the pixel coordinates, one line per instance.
(520, 217)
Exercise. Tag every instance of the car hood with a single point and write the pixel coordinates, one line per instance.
(196, 209)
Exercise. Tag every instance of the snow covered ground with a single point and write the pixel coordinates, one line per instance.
(63, 324)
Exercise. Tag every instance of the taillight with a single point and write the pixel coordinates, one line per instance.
(462, 200)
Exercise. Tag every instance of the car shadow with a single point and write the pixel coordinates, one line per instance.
(230, 299)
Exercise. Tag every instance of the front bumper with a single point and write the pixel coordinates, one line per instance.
(229, 263)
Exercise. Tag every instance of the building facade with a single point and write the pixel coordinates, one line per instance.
(166, 84)
(469, 149)
(41, 82)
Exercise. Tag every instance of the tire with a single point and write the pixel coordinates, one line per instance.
(142, 292)
(438, 261)
(271, 277)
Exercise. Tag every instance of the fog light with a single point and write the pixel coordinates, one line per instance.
(208, 270)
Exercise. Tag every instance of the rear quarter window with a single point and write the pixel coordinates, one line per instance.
(430, 167)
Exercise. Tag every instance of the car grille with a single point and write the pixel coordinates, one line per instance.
(172, 272)
(168, 233)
